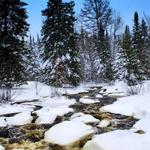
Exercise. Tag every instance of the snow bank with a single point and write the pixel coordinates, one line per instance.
(116, 140)
(137, 106)
(67, 132)
(119, 89)
(31, 91)
(75, 90)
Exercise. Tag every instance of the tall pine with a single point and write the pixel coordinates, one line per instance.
(137, 48)
(13, 29)
(60, 53)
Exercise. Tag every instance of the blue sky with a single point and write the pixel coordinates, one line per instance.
(125, 7)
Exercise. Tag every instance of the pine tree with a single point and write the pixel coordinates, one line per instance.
(105, 56)
(60, 53)
(145, 50)
(137, 47)
(127, 56)
(13, 29)
(33, 60)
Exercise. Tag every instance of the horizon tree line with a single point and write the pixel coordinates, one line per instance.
(97, 53)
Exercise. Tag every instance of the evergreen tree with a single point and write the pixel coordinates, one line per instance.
(105, 56)
(33, 60)
(145, 51)
(137, 48)
(127, 56)
(13, 29)
(60, 53)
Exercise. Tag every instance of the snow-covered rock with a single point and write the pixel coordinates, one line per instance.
(57, 102)
(99, 96)
(67, 133)
(9, 109)
(3, 122)
(88, 101)
(84, 118)
(17, 120)
(20, 119)
(48, 115)
(104, 124)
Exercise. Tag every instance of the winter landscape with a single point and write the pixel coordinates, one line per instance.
(82, 82)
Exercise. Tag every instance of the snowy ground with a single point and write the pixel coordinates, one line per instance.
(47, 103)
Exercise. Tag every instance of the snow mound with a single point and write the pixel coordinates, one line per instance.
(17, 120)
(20, 119)
(88, 101)
(84, 118)
(104, 124)
(67, 132)
(48, 115)
(99, 96)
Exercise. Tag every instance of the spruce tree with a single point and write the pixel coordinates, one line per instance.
(145, 50)
(137, 47)
(127, 57)
(13, 29)
(33, 60)
(104, 49)
(60, 53)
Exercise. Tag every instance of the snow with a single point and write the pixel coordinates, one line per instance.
(103, 124)
(67, 132)
(57, 102)
(143, 125)
(20, 119)
(48, 115)
(76, 90)
(31, 91)
(17, 120)
(118, 89)
(84, 118)
(9, 109)
(88, 101)
(99, 96)
(2, 148)
(119, 139)
(136, 106)
(2, 122)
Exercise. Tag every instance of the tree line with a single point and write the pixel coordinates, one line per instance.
(97, 52)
